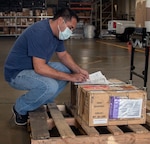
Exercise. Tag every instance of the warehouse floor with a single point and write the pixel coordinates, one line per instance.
(111, 57)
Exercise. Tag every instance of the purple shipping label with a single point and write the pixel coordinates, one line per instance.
(114, 107)
(111, 107)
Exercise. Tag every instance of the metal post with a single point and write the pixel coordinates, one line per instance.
(132, 67)
(112, 9)
(101, 18)
(146, 65)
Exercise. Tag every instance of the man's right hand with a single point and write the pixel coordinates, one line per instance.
(78, 77)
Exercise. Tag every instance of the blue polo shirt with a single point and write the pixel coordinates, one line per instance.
(38, 41)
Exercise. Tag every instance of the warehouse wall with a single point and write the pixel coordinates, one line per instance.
(126, 9)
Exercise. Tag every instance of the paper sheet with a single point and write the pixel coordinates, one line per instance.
(96, 78)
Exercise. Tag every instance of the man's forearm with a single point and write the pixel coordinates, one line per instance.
(70, 63)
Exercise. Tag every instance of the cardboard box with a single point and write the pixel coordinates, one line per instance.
(95, 105)
(74, 89)
(142, 14)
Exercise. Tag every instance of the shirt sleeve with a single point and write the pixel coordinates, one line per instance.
(60, 46)
(37, 44)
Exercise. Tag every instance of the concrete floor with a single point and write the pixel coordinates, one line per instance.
(109, 56)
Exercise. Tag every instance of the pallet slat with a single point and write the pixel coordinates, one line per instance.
(38, 124)
(115, 130)
(70, 121)
(91, 131)
(60, 122)
(139, 134)
(102, 139)
(138, 128)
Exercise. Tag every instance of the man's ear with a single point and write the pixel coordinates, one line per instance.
(60, 20)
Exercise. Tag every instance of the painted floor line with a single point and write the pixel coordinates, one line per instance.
(119, 46)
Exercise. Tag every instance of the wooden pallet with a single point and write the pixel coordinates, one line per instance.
(50, 126)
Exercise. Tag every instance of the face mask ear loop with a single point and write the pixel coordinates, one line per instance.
(58, 27)
(60, 32)
(65, 23)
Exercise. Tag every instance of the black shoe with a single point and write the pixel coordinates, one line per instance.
(19, 119)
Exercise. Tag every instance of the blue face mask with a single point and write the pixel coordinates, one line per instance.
(63, 35)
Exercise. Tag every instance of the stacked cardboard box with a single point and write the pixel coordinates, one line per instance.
(142, 16)
(50, 11)
(102, 105)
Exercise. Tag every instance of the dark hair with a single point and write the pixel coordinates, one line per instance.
(66, 13)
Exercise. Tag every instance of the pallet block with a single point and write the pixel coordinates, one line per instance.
(46, 121)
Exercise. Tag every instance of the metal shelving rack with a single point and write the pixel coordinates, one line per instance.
(102, 12)
(84, 11)
(19, 14)
(14, 25)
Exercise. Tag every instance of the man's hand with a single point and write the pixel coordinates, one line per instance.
(80, 77)
(85, 73)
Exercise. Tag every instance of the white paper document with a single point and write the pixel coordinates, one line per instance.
(96, 78)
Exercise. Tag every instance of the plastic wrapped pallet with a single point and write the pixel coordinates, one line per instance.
(89, 31)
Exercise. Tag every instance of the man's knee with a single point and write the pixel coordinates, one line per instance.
(51, 88)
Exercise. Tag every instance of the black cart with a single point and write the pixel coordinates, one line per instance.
(140, 39)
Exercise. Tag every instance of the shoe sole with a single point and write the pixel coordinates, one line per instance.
(14, 117)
